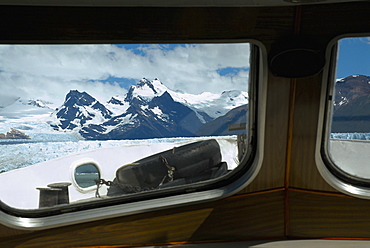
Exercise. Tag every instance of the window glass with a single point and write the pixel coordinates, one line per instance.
(349, 140)
(154, 117)
(86, 175)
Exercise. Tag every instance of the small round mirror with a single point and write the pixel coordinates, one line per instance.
(86, 174)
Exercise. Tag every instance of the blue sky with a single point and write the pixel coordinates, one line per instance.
(140, 48)
(353, 57)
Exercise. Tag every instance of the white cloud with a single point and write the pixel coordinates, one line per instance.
(50, 71)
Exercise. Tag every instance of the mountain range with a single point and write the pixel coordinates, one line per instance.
(150, 110)
(351, 112)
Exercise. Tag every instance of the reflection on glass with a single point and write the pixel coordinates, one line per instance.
(118, 105)
(350, 122)
(86, 175)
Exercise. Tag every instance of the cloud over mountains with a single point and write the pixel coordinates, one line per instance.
(50, 71)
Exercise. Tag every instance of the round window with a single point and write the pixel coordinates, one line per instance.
(86, 174)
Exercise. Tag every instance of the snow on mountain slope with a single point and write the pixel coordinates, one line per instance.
(80, 109)
(149, 108)
(212, 104)
(147, 111)
(146, 90)
(34, 120)
(159, 117)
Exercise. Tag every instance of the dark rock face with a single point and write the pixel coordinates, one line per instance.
(14, 134)
(220, 125)
(115, 101)
(352, 105)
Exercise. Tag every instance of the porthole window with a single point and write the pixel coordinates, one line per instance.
(127, 124)
(86, 175)
(346, 143)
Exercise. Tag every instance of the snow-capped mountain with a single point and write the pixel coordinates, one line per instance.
(159, 117)
(38, 103)
(350, 88)
(148, 110)
(33, 117)
(214, 105)
(79, 109)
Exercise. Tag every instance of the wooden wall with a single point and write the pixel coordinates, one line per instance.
(288, 199)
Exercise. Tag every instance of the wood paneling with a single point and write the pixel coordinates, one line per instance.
(7, 231)
(81, 25)
(262, 216)
(320, 215)
(325, 22)
(303, 172)
(272, 172)
(142, 230)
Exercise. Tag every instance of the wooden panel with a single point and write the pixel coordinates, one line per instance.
(262, 216)
(316, 216)
(304, 173)
(272, 173)
(76, 25)
(245, 217)
(141, 229)
(324, 22)
(7, 231)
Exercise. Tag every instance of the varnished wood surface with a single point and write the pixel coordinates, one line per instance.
(320, 215)
(303, 172)
(275, 155)
(81, 25)
(140, 229)
(262, 216)
(304, 206)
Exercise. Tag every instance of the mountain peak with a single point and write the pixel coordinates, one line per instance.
(145, 82)
(78, 109)
(146, 90)
(116, 100)
(355, 78)
(79, 98)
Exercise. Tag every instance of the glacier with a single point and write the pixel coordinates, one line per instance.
(26, 153)
(350, 136)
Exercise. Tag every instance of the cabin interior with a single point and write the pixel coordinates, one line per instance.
(288, 203)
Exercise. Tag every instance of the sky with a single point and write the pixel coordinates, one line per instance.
(48, 72)
(353, 57)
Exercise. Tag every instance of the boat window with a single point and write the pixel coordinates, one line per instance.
(118, 123)
(347, 139)
(86, 175)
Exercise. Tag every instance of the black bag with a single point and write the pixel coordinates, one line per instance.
(181, 165)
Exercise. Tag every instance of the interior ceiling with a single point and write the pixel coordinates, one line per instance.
(168, 3)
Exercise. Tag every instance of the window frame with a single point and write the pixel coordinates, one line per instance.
(215, 189)
(332, 174)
